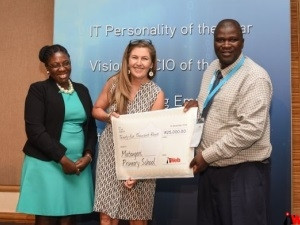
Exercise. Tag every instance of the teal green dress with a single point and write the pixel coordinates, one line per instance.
(45, 189)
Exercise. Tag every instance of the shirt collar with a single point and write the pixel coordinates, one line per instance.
(227, 69)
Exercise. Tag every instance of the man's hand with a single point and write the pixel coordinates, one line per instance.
(198, 163)
(189, 104)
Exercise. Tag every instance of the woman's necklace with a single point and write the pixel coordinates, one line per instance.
(69, 91)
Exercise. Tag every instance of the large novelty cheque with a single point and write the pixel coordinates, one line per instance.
(154, 144)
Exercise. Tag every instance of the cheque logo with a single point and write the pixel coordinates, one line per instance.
(173, 160)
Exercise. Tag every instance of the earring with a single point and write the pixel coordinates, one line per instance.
(151, 74)
(128, 72)
(48, 72)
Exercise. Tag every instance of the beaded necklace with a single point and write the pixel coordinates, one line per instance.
(69, 91)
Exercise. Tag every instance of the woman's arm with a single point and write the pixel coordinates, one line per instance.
(102, 103)
(37, 133)
(159, 102)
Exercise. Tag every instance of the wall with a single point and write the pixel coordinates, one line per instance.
(26, 26)
(295, 51)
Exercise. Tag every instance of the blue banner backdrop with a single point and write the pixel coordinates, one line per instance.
(96, 33)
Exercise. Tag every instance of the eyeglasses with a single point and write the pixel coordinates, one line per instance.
(58, 65)
(137, 41)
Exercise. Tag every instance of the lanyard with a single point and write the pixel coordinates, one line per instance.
(222, 82)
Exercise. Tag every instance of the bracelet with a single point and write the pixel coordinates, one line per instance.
(89, 156)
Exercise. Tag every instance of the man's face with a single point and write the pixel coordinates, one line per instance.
(228, 43)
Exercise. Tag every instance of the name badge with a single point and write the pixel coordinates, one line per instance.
(197, 134)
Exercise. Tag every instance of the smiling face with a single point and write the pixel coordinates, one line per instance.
(228, 43)
(59, 67)
(139, 63)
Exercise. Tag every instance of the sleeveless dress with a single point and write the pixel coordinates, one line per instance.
(111, 197)
(45, 189)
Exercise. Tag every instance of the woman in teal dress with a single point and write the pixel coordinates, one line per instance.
(56, 181)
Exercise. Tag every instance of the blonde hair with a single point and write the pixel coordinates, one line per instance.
(121, 93)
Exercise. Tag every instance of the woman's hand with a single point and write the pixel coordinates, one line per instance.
(68, 166)
(82, 162)
(129, 183)
(112, 114)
